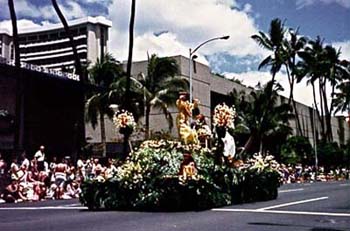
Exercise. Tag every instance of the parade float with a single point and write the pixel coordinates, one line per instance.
(199, 170)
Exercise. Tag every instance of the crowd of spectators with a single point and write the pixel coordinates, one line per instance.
(300, 174)
(40, 179)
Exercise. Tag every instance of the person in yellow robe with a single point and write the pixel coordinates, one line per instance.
(186, 133)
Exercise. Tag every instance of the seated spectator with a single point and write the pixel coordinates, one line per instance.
(13, 193)
(110, 170)
(14, 168)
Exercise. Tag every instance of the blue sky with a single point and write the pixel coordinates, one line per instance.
(171, 27)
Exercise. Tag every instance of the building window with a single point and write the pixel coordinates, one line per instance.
(43, 37)
(22, 39)
(82, 30)
(32, 38)
(54, 36)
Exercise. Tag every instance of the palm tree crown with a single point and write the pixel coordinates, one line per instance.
(160, 87)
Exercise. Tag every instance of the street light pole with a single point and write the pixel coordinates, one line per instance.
(315, 140)
(190, 74)
(191, 53)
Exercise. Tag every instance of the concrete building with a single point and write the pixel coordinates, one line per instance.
(211, 90)
(6, 46)
(49, 47)
(38, 108)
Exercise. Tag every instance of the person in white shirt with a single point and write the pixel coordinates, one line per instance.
(24, 159)
(40, 157)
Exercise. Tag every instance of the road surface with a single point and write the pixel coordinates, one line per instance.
(313, 207)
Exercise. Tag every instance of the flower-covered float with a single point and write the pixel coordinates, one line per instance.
(198, 171)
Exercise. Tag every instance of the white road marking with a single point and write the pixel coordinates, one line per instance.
(344, 185)
(293, 203)
(283, 212)
(42, 208)
(290, 190)
(71, 205)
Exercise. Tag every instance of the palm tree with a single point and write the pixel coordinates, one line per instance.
(78, 67)
(160, 87)
(293, 44)
(254, 120)
(309, 67)
(104, 74)
(342, 96)
(333, 74)
(273, 41)
(284, 54)
(322, 64)
(126, 101)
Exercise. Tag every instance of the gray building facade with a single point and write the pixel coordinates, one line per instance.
(209, 88)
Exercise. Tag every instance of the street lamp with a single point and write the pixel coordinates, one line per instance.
(315, 139)
(192, 56)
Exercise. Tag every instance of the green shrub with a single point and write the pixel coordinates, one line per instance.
(296, 150)
(330, 154)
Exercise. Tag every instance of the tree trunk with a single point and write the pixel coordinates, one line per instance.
(292, 102)
(148, 111)
(103, 134)
(296, 114)
(18, 139)
(131, 45)
(14, 33)
(80, 137)
(63, 20)
(324, 135)
(327, 114)
(316, 108)
(126, 101)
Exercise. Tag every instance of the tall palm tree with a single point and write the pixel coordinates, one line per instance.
(293, 44)
(284, 46)
(103, 74)
(273, 41)
(126, 102)
(321, 64)
(309, 67)
(333, 75)
(160, 87)
(78, 67)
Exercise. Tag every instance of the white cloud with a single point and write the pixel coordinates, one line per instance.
(344, 49)
(189, 23)
(302, 92)
(25, 9)
(304, 3)
(71, 10)
(21, 24)
(247, 8)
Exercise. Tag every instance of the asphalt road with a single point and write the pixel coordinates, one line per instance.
(314, 207)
